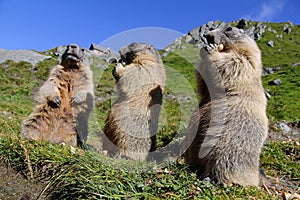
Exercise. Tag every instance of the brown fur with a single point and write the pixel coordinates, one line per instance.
(63, 103)
(132, 121)
(229, 128)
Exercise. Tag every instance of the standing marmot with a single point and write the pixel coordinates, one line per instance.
(63, 103)
(132, 122)
(228, 130)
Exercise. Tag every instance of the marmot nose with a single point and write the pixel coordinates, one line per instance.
(209, 38)
(74, 46)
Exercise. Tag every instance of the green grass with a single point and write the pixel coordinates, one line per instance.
(284, 104)
(89, 175)
(285, 50)
(282, 159)
(86, 174)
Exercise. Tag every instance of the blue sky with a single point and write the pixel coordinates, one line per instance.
(45, 24)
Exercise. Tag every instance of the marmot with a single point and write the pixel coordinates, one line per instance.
(64, 102)
(132, 121)
(228, 130)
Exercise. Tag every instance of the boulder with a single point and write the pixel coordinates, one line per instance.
(284, 127)
(275, 82)
(287, 29)
(270, 43)
(29, 56)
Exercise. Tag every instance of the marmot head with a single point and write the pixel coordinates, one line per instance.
(139, 53)
(228, 38)
(231, 39)
(72, 56)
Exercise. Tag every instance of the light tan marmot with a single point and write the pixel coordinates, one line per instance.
(63, 103)
(132, 121)
(228, 130)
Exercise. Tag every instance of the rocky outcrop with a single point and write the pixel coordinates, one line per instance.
(22, 55)
(106, 54)
(271, 43)
(287, 28)
(196, 37)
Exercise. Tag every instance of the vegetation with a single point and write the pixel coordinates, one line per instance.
(69, 173)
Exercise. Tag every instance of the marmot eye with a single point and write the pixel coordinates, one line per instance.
(229, 29)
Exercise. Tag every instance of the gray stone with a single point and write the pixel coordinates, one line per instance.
(287, 29)
(194, 33)
(270, 43)
(199, 46)
(176, 42)
(279, 36)
(242, 24)
(271, 70)
(275, 82)
(294, 133)
(29, 56)
(284, 127)
(272, 30)
(251, 32)
(188, 39)
(259, 31)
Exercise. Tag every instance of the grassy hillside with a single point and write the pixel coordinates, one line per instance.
(65, 173)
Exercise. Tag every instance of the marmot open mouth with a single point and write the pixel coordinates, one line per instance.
(73, 57)
(218, 47)
(211, 41)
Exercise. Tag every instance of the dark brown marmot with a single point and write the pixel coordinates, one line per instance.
(63, 103)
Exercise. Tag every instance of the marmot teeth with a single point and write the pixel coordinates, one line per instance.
(220, 47)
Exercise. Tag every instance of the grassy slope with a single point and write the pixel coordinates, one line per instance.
(86, 174)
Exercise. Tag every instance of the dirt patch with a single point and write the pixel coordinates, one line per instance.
(293, 134)
(15, 186)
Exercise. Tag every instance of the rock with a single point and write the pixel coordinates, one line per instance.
(272, 30)
(176, 43)
(294, 133)
(242, 24)
(199, 46)
(188, 39)
(29, 56)
(196, 37)
(275, 82)
(60, 50)
(284, 127)
(287, 29)
(259, 31)
(251, 32)
(270, 70)
(198, 33)
(270, 43)
(279, 36)
(194, 33)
